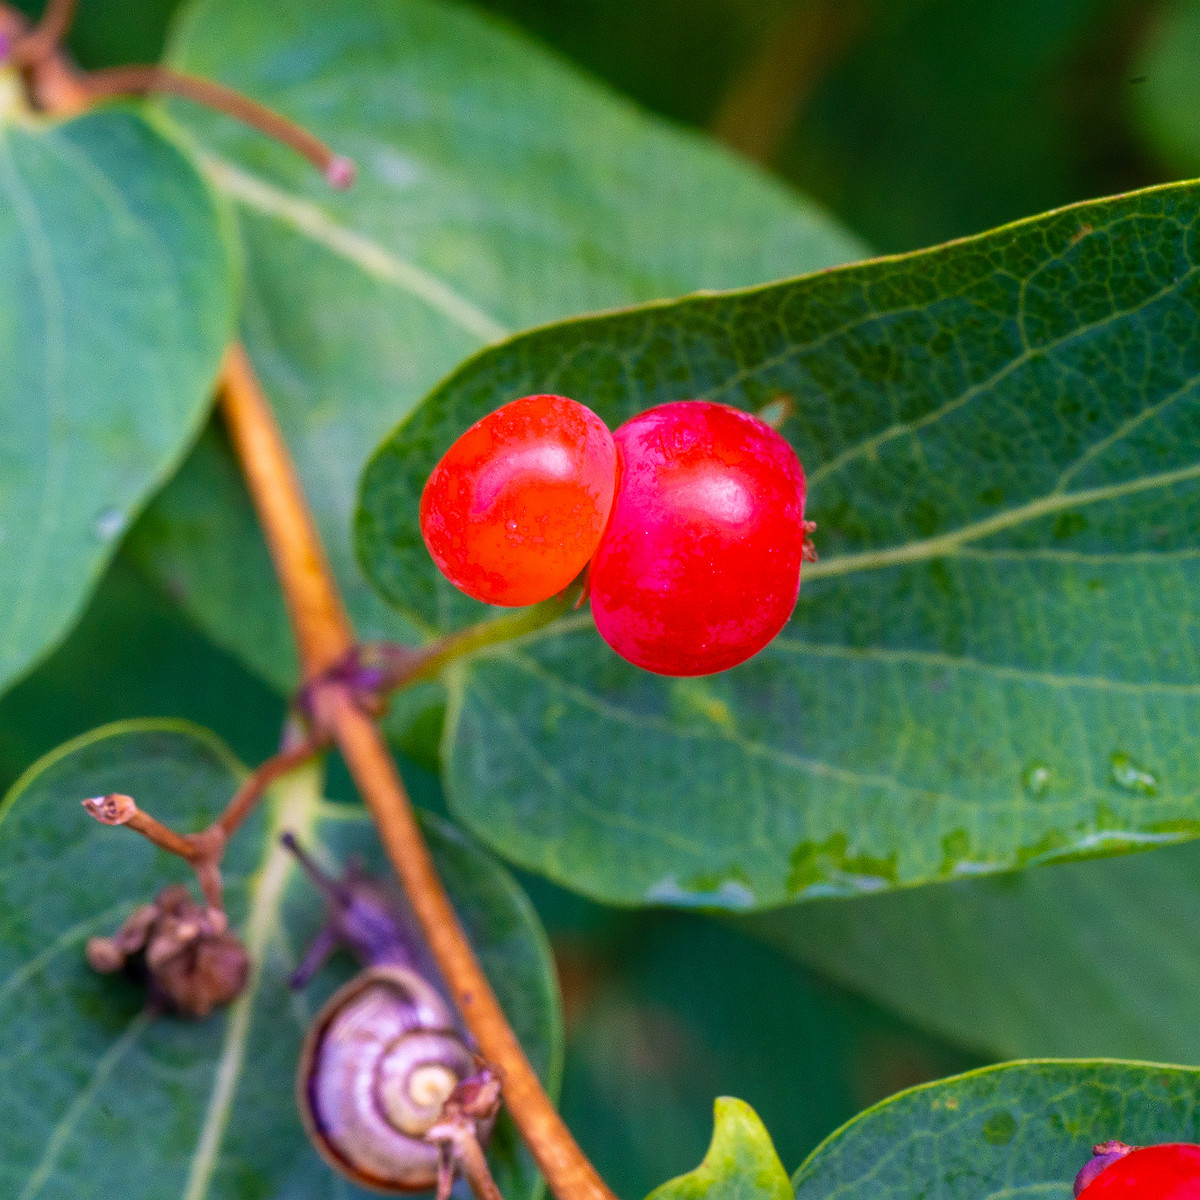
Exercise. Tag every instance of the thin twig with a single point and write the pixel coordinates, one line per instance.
(203, 851)
(124, 81)
(57, 87)
(123, 810)
(261, 778)
(473, 1164)
(46, 36)
(52, 84)
(324, 637)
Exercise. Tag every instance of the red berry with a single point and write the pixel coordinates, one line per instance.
(1167, 1172)
(517, 505)
(700, 565)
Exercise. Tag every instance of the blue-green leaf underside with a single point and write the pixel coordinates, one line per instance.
(116, 304)
(497, 188)
(102, 1101)
(1018, 1130)
(993, 664)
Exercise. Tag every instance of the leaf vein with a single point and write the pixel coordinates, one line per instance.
(948, 543)
(70, 1119)
(372, 258)
(935, 658)
(296, 809)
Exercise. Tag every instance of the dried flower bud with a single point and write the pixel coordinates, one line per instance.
(182, 950)
(1104, 1155)
(477, 1096)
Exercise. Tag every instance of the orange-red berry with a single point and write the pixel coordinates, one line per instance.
(515, 509)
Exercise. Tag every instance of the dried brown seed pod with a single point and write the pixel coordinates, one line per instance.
(182, 951)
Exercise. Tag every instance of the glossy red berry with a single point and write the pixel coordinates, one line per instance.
(700, 565)
(1167, 1172)
(515, 509)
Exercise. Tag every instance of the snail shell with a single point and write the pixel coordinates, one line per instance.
(377, 1064)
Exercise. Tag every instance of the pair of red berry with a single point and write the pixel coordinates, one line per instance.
(691, 516)
(1119, 1172)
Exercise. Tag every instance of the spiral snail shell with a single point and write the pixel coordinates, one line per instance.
(379, 1061)
(383, 1054)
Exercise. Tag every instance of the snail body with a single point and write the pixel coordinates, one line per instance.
(384, 1053)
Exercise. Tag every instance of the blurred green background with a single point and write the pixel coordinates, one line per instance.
(915, 121)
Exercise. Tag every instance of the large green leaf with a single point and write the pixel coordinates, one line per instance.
(496, 189)
(991, 666)
(1017, 1130)
(741, 1162)
(116, 303)
(101, 1101)
(1083, 958)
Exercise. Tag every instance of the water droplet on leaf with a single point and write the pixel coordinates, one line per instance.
(109, 524)
(1131, 776)
(1035, 779)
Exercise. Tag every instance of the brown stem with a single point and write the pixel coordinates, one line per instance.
(56, 87)
(324, 637)
(13, 27)
(124, 81)
(52, 84)
(261, 778)
(319, 620)
(203, 851)
(466, 1154)
(123, 810)
(46, 35)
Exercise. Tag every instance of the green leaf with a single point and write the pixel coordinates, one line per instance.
(1084, 958)
(992, 664)
(741, 1161)
(115, 308)
(497, 189)
(1168, 96)
(1020, 1129)
(101, 1100)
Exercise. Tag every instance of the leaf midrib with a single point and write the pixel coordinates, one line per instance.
(350, 245)
(296, 806)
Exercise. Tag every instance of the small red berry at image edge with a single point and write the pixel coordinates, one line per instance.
(515, 509)
(1167, 1172)
(699, 567)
